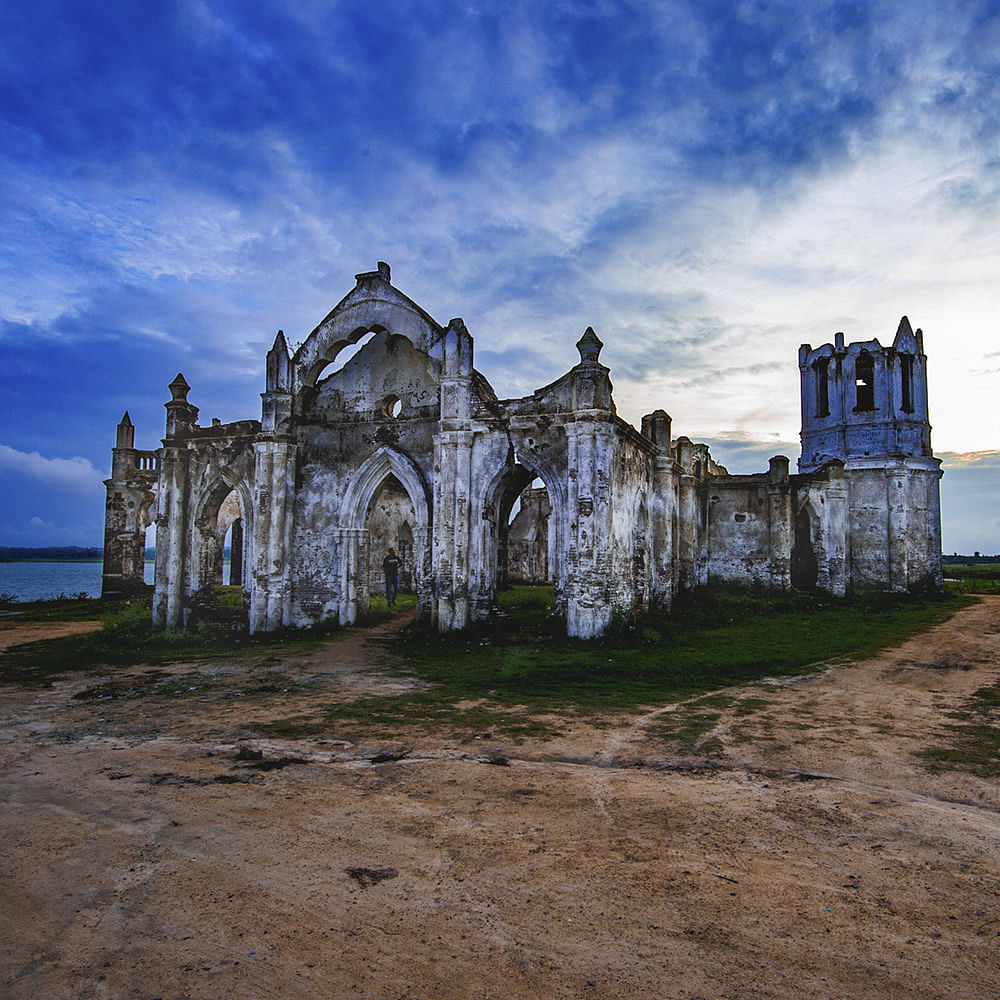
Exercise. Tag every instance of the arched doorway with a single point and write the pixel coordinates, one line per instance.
(520, 540)
(388, 525)
(386, 493)
(230, 544)
(805, 567)
(523, 555)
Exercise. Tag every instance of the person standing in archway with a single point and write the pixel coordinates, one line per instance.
(390, 566)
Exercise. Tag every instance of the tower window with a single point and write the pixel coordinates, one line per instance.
(906, 374)
(864, 380)
(823, 388)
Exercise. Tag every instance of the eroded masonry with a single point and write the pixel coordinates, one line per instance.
(408, 445)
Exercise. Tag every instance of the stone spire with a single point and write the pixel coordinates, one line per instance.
(589, 346)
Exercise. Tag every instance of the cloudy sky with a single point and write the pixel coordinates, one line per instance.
(707, 183)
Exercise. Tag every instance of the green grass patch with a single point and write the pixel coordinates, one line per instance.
(65, 608)
(973, 577)
(973, 740)
(749, 706)
(390, 716)
(160, 685)
(713, 640)
(686, 729)
(128, 637)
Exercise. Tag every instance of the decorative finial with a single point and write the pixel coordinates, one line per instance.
(589, 346)
(179, 389)
(383, 269)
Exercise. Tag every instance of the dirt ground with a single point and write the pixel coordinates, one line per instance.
(801, 849)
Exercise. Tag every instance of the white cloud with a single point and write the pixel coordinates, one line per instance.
(75, 476)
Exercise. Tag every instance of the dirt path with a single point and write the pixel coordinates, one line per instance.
(13, 632)
(795, 846)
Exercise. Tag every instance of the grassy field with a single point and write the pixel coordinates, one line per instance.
(973, 577)
(127, 636)
(712, 639)
(507, 676)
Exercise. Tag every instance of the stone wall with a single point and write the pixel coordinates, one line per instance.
(407, 444)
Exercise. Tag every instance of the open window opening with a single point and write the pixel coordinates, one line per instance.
(391, 407)
(864, 380)
(343, 356)
(822, 369)
(906, 375)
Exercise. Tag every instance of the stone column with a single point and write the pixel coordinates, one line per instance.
(780, 528)
(832, 574)
(353, 574)
(897, 496)
(451, 531)
(657, 426)
(274, 476)
(171, 534)
(588, 604)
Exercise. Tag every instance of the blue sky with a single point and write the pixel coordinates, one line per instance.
(708, 184)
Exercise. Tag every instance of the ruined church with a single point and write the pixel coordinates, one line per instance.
(407, 444)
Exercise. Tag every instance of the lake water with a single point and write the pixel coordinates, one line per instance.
(33, 581)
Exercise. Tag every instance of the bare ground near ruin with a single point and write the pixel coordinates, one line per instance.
(807, 850)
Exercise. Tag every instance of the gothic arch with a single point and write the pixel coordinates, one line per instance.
(365, 484)
(357, 500)
(807, 549)
(208, 536)
(504, 487)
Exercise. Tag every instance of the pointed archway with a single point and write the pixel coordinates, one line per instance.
(386, 466)
(805, 565)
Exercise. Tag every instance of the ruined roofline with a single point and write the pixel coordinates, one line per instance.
(374, 289)
(906, 340)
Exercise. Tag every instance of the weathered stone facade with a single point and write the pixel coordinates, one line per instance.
(408, 445)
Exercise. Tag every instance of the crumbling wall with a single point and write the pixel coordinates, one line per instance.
(130, 506)
(750, 527)
(407, 444)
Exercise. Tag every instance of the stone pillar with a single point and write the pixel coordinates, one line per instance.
(172, 530)
(422, 568)
(353, 552)
(124, 533)
(780, 527)
(656, 426)
(897, 497)
(588, 602)
(451, 532)
(274, 479)
(662, 511)
(832, 573)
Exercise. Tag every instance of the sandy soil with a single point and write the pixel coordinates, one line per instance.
(804, 851)
(13, 633)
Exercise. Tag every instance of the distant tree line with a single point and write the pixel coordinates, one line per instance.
(52, 553)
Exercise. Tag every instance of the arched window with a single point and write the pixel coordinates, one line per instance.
(864, 380)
